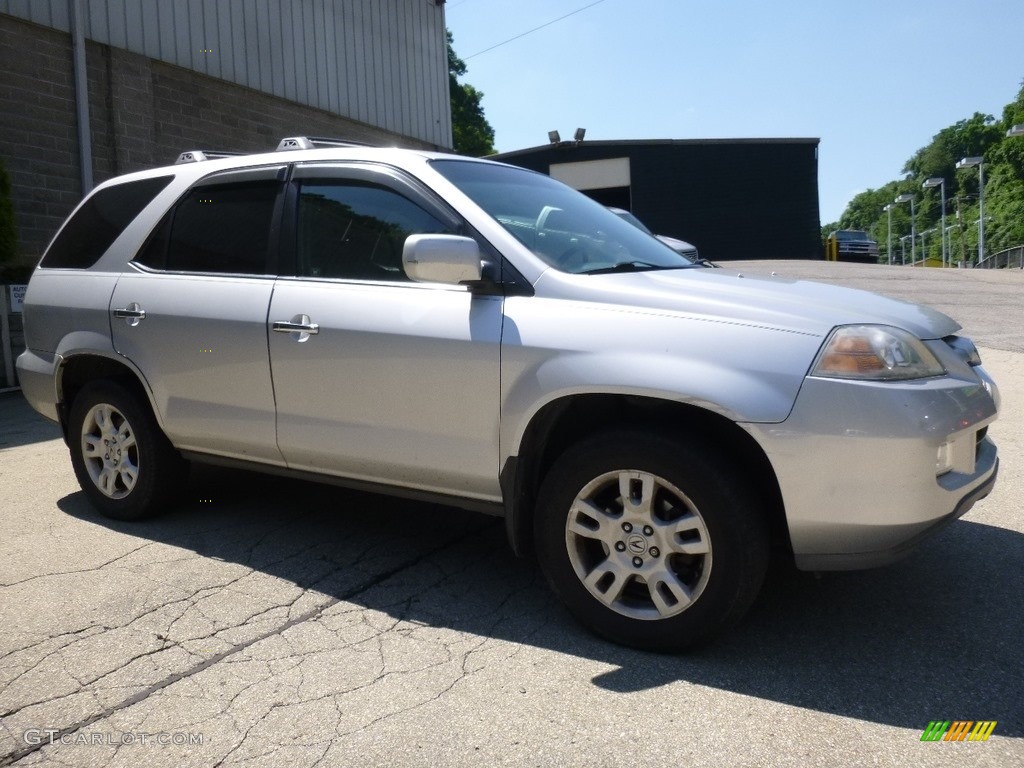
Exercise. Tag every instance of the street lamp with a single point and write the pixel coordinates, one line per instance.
(941, 184)
(903, 249)
(1017, 130)
(949, 241)
(924, 253)
(888, 237)
(970, 162)
(909, 197)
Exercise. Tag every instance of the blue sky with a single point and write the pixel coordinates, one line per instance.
(873, 80)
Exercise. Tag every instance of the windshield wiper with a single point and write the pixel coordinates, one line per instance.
(632, 266)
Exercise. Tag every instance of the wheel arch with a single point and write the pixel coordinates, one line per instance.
(77, 370)
(567, 420)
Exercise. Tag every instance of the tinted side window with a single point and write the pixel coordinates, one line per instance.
(218, 228)
(356, 230)
(99, 221)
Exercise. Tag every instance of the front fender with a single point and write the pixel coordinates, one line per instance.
(742, 372)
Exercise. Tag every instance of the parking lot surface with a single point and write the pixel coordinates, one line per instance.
(268, 622)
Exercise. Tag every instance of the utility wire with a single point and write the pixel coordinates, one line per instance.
(531, 31)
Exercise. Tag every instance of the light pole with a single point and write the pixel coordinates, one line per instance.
(970, 162)
(888, 236)
(909, 197)
(903, 249)
(936, 181)
(924, 252)
(949, 242)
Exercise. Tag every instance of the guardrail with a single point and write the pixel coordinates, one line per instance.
(1010, 258)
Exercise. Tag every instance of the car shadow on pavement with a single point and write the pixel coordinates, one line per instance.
(936, 636)
(21, 425)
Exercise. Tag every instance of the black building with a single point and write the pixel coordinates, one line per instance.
(732, 198)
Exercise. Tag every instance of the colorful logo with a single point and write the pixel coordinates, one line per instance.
(958, 730)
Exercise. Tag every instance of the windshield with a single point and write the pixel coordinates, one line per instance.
(851, 234)
(563, 227)
(627, 216)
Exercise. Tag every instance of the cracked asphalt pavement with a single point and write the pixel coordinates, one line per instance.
(268, 622)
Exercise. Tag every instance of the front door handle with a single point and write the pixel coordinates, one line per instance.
(300, 326)
(133, 314)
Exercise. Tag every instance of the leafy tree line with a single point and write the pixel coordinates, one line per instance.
(471, 133)
(978, 136)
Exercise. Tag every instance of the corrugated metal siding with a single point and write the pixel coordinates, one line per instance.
(382, 62)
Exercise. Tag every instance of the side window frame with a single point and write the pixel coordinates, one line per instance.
(376, 174)
(159, 238)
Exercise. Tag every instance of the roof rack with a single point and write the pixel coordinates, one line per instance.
(315, 142)
(199, 155)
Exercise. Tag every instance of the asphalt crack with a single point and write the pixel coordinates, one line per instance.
(210, 661)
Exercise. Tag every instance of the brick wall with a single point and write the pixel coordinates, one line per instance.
(142, 113)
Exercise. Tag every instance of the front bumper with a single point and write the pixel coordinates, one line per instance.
(856, 464)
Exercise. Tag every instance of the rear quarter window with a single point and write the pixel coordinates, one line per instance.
(99, 222)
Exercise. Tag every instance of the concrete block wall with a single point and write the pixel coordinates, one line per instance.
(38, 141)
(142, 114)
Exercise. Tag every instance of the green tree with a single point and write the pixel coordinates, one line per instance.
(471, 133)
(978, 136)
(1004, 183)
(967, 138)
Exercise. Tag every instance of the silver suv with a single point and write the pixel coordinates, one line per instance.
(440, 327)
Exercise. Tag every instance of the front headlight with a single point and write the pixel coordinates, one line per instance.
(875, 352)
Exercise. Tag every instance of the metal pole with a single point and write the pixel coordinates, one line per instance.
(888, 239)
(981, 210)
(942, 189)
(913, 231)
(5, 338)
(81, 93)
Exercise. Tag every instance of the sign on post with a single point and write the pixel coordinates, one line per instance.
(17, 294)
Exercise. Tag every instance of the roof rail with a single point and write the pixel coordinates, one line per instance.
(199, 155)
(315, 142)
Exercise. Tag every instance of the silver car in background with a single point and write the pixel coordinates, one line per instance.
(460, 330)
(683, 248)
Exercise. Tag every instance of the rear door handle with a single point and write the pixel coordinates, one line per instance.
(133, 314)
(282, 327)
(300, 325)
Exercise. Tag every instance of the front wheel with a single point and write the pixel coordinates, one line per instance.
(649, 541)
(122, 460)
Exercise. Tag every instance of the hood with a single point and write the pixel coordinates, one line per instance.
(802, 306)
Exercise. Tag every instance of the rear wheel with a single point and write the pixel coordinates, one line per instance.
(650, 541)
(122, 460)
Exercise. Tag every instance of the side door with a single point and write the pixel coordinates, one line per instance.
(391, 381)
(191, 313)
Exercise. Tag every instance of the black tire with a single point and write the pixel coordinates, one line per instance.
(136, 473)
(656, 596)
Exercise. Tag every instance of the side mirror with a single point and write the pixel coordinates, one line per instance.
(442, 259)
